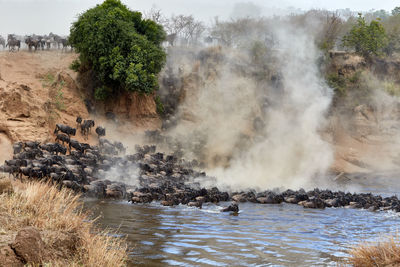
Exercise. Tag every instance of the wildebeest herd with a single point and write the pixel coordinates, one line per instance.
(147, 175)
(35, 42)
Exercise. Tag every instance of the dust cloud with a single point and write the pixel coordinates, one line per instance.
(249, 132)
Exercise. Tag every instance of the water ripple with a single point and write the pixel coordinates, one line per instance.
(261, 235)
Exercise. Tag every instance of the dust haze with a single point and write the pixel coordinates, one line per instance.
(252, 108)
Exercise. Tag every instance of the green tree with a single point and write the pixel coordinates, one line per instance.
(396, 11)
(123, 50)
(366, 39)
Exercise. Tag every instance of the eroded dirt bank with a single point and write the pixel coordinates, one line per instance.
(38, 90)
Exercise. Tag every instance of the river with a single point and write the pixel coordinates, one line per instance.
(260, 235)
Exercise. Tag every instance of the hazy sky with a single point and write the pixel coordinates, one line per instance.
(44, 16)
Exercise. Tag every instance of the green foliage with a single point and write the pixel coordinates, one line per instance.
(341, 84)
(396, 11)
(337, 83)
(160, 105)
(59, 98)
(366, 39)
(102, 93)
(123, 50)
(391, 88)
(75, 65)
(48, 80)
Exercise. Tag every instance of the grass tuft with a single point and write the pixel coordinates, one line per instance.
(48, 209)
(383, 253)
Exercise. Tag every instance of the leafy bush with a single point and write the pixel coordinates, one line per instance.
(160, 105)
(337, 83)
(75, 65)
(123, 50)
(366, 39)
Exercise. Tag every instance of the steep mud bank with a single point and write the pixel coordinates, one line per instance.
(38, 90)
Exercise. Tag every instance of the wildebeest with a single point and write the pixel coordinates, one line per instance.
(31, 42)
(86, 127)
(2, 42)
(75, 144)
(13, 42)
(101, 131)
(65, 129)
(32, 144)
(54, 148)
(78, 121)
(17, 147)
(63, 138)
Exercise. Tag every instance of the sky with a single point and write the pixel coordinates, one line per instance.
(44, 16)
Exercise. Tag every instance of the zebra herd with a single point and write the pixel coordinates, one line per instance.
(51, 41)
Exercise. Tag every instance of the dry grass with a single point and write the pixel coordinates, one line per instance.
(45, 207)
(383, 253)
(5, 185)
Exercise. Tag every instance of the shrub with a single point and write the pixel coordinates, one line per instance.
(366, 39)
(337, 83)
(123, 50)
(160, 105)
(384, 253)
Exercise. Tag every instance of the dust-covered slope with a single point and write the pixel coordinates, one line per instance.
(38, 90)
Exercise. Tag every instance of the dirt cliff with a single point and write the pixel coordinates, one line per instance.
(38, 90)
(365, 121)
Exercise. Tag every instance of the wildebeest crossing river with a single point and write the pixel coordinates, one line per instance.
(260, 235)
(157, 201)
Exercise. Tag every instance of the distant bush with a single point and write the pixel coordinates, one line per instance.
(75, 65)
(337, 83)
(366, 39)
(123, 50)
(160, 105)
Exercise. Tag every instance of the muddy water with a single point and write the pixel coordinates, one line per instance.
(260, 235)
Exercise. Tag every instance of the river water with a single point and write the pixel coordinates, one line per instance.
(260, 235)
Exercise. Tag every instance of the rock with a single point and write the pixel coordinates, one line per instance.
(8, 257)
(234, 207)
(29, 246)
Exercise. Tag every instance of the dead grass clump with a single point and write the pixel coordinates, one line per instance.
(5, 185)
(45, 207)
(383, 253)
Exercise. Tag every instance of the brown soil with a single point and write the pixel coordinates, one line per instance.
(38, 90)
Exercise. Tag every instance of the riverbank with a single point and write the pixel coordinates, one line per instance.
(40, 224)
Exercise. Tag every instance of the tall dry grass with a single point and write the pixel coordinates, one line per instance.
(383, 253)
(45, 207)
